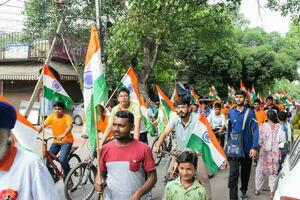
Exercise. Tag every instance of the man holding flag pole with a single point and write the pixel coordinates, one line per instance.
(193, 133)
(95, 89)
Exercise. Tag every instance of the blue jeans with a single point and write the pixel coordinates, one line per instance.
(64, 149)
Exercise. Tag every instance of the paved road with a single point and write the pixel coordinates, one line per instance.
(218, 183)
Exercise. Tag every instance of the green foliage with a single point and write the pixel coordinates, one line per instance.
(191, 41)
(291, 88)
(265, 57)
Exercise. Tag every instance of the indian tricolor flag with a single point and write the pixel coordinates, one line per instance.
(130, 82)
(147, 121)
(253, 94)
(165, 111)
(213, 93)
(231, 92)
(95, 89)
(203, 140)
(194, 97)
(24, 132)
(52, 89)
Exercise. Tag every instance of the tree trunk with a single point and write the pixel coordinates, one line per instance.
(149, 59)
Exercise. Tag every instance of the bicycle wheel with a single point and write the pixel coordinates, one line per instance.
(169, 177)
(82, 180)
(52, 172)
(73, 160)
(157, 156)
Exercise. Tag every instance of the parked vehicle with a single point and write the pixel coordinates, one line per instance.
(78, 111)
(289, 176)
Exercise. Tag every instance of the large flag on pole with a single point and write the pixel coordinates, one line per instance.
(284, 99)
(165, 111)
(175, 95)
(52, 89)
(194, 97)
(147, 121)
(261, 98)
(253, 94)
(203, 140)
(24, 132)
(130, 82)
(179, 91)
(95, 89)
(231, 93)
(213, 93)
(243, 87)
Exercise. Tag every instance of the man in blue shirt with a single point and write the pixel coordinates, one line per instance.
(249, 145)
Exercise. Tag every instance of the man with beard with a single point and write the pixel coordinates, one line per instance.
(183, 124)
(125, 163)
(248, 143)
(22, 174)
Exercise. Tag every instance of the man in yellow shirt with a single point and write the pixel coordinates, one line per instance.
(61, 125)
(139, 132)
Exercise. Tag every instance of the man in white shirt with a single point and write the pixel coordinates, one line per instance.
(217, 122)
(22, 174)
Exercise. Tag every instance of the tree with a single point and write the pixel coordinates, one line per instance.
(265, 58)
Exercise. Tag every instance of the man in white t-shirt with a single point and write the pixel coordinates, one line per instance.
(217, 122)
(22, 174)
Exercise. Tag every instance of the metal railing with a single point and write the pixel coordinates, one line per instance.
(16, 46)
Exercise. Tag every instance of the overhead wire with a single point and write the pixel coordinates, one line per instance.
(4, 3)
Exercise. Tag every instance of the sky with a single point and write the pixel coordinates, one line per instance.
(269, 21)
(11, 17)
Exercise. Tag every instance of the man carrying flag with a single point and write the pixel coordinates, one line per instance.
(184, 124)
(123, 97)
(95, 89)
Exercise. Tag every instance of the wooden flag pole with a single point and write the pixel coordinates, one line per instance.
(39, 83)
(97, 150)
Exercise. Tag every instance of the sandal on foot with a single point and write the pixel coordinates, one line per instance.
(256, 192)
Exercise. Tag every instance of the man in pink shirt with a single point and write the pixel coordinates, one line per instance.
(124, 164)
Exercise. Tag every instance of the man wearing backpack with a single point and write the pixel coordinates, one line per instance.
(242, 145)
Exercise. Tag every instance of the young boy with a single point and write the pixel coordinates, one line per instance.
(185, 186)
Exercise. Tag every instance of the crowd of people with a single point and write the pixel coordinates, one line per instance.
(247, 133)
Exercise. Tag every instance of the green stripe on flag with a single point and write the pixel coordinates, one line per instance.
(149, 126)
(91, 126)
(100, 91)
(197, 144)
(54, 96)
(166, 109)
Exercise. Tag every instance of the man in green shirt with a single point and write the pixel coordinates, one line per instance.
(186, 186)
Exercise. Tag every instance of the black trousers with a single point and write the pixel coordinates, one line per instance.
(235, 164)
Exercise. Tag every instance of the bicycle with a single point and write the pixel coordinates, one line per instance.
(171, 171)
(165, 147)
(50, 160)
(82, 177)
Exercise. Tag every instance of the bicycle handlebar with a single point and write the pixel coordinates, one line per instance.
(45, 139)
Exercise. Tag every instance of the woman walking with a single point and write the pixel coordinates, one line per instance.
(270, 136)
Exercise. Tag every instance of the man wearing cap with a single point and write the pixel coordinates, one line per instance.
(22, 174)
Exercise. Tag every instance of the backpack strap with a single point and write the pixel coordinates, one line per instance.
(245, 119)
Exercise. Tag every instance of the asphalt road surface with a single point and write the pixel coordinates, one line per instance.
(218, 182)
